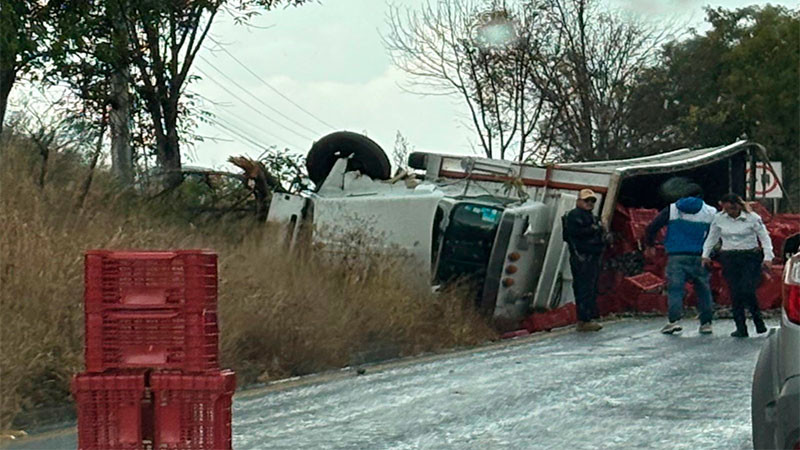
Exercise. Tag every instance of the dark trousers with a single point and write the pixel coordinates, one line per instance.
(585, 270)
(742, 272)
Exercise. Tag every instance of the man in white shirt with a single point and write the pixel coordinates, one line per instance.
(741, 232)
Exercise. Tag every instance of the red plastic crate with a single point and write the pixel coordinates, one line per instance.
(644, 282)
(633, 287)
(147, 279)
(721, 295)
(110, 410)
(637, 225)
(609, 304)
(515, 334)
(762, 211)
(651, 302)
(192, 411)
(768, 293)
(546, 321)
(642, 215)
(158, 338)
(690, 296)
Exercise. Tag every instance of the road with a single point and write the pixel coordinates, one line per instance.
(627, 386)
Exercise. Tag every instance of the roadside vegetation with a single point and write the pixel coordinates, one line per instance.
(281, 314)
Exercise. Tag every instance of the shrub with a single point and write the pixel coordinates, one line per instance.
(281, 313)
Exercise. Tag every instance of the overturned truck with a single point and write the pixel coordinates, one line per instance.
(497, 223)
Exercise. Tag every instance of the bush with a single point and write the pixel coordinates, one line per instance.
(281, 314)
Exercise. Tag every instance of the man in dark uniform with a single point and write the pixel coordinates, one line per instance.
(584, 236)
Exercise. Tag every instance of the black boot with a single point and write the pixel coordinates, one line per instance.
(740, 332)
(759, 323)
(741, 328)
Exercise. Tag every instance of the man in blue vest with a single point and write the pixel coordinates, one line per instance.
(688, 221)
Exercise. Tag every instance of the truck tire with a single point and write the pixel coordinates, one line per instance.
(367, 156)
(677, 187)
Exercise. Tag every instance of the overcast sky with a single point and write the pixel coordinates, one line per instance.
(328, 58)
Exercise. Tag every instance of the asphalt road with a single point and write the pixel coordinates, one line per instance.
(627, 386)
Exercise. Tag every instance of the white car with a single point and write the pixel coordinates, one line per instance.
(776, 381)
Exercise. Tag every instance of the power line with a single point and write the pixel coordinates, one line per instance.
(239, 119)
(214, 139)
(233, 132)
(245, 141)
(252, 107)
(229, 124)
(258, 99)
(269, 85)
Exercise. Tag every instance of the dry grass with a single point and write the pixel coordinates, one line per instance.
(281, 314)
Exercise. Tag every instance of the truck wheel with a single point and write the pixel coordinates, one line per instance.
(677, 187)
(367, 156)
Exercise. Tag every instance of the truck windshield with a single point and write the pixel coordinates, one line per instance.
(468, 242)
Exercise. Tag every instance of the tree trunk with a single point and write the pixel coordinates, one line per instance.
(168, 153)
(7, 78)
(87, 182)
(119, 121)
(584, 87)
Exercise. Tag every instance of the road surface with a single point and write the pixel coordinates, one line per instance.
(627, 386)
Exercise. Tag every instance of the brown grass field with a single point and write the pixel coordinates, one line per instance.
(281, 314)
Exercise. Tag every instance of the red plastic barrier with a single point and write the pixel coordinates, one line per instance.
(193, 411)
(148, 279)
(546, 321)
(109, 410)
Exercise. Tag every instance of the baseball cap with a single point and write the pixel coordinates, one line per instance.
(587, 193)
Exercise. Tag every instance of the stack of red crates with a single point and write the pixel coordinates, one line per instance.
(152, 375)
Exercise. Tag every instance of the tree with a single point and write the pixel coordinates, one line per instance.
(586, 72)
(550, 77)
(149, 46)
(739, 80)
(23, 34)
(478, 51)
(91, 55)
(165, 37)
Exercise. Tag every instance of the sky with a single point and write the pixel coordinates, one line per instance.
(328, 58)
(304, 72)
